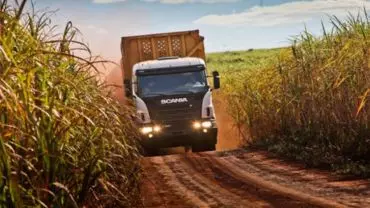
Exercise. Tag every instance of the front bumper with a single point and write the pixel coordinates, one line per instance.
(185, 136)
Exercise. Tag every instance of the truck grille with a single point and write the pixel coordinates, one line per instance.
(176, 115)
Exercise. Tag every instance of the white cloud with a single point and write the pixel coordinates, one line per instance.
(107, 1)
(191, 1)
(97, 30)
(286, 13)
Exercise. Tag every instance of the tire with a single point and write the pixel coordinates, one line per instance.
(204, 147)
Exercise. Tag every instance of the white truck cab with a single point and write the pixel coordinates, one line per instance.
(173, 101)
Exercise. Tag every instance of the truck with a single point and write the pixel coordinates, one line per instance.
(166, 78)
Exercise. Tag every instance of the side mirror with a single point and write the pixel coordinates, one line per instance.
(216, 79)
(128, 87)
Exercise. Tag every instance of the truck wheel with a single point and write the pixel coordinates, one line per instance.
(203, 147)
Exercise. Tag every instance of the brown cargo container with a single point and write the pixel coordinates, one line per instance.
(135, 49)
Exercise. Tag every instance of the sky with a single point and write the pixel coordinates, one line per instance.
(225, 24)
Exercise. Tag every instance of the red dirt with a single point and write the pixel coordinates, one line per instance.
(243, 179)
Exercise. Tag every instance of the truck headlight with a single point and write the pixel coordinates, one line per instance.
(197, 125)
(147, 130)
(157, 128)
(206, 124)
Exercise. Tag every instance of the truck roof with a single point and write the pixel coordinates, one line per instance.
(167, 63)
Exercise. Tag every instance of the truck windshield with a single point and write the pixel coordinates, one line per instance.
(172, 84)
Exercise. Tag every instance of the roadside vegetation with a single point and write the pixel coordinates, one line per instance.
(234, 67)
(64, 142)
(308, 102)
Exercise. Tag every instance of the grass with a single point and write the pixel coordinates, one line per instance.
(64, 142)
(237, 67)
(308, 102)
(239, 61)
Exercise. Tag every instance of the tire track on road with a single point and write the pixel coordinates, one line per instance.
(215, 195)
(174, 187)
(306, 181)
(205, 168)
(245, 189)
(215, 180)
(239, 173)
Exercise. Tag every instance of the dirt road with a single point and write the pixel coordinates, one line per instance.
(244, 179)
(240, 178)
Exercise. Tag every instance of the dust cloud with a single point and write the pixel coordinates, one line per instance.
(229, 137)
(114, 78)
(111, 74)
